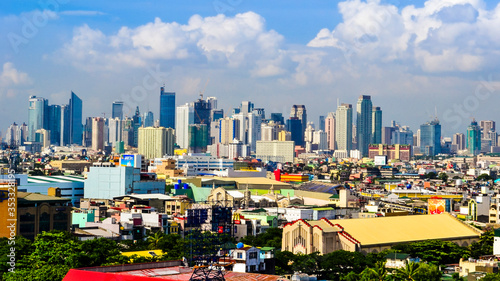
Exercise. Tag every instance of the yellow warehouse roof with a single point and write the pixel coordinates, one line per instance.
(399, 229)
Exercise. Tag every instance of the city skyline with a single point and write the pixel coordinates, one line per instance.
(104, 55)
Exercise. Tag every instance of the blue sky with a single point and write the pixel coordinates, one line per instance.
(413, 57)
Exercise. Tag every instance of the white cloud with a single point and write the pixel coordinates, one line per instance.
(441, 36)
(11, 79)
(225, 41)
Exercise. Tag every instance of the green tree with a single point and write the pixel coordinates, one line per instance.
(377, 273)
(284, 261)
(271, 238)
(428, 272)
(306, 263)
(484, 246)
(430, 175)
(484, 177)
(436, 252)
(443, 177)
(408, 272)
(340, 263)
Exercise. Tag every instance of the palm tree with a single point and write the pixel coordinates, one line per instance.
(379, 272)
(155, 240)
(408, 272)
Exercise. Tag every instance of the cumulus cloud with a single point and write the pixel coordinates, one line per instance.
(441, 36)
(11, 79)
(242, 40)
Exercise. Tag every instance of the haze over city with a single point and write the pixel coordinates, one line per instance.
(415, 58)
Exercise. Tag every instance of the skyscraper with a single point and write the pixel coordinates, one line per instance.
(299, 111)
(54, 124)
(294, 126)
(487, 126)
(156, 142)
(136, 123)
(228, 130)
(377, 125)
(278, 117)
(343, 127)
(202, 112)
(364, 123)
(75, 115)
(198, 138)
(148, 119)
(37, 115)
(473, 138)
(65, 125)
(167, 109)
(459, 141)
(87, 132)
(430, 138)
(98, 133)
(184, 118)
(115, 131)
(321, 125)
(330, 130)
(117, 110)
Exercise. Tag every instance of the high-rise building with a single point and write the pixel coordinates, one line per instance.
(213, 102)
(156, 142)
(246, 107)
(294, 126)
(321, 125)
(184, 118)
(148, 119)
(320, 139)
(117, 110)
(364, 124)
(37, 115)
(459, 141)
(87, 132)
(198, 138)
(128, 132)
(228, 130)
(98, 133)
(402, 135)
(136, 123)
(65, 124)
(473, 138)
(270, 131)
(217, 114)
(330, 130)
(167, 109)
(115, 131)
(16, 135)
(430, 138)
(299, 111)
(43, 137)
(343, 127)
(377, 125)
(278, 117)
(75, 120)
(487, 126)
(54, 124)
(202, 112)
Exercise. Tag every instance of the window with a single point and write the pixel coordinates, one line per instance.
(239, 255)
(252, 255)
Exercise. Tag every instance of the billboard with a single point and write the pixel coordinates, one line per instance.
(436, 206)
(380, 160)
(130, 160)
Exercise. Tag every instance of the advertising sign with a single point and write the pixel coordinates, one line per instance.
(436, 206)
(130, 160)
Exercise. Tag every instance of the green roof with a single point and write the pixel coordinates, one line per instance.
(267, 248)
(335, 196)
(323, 209)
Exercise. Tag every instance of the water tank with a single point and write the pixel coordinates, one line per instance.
(408, 186)
(239, 245)
(186, 186)
(176, 186)
(179, 181)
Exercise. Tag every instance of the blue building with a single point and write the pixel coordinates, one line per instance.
(148, 119)
(54, 124)
(294, 126)
(278, 117)
(117, 110)
(75, 115)
(109, 182)
(473, 138)
(37, 115)
(430, 138)
(167, 109)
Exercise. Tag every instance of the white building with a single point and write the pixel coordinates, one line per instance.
(184, 117)
(278, 151)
